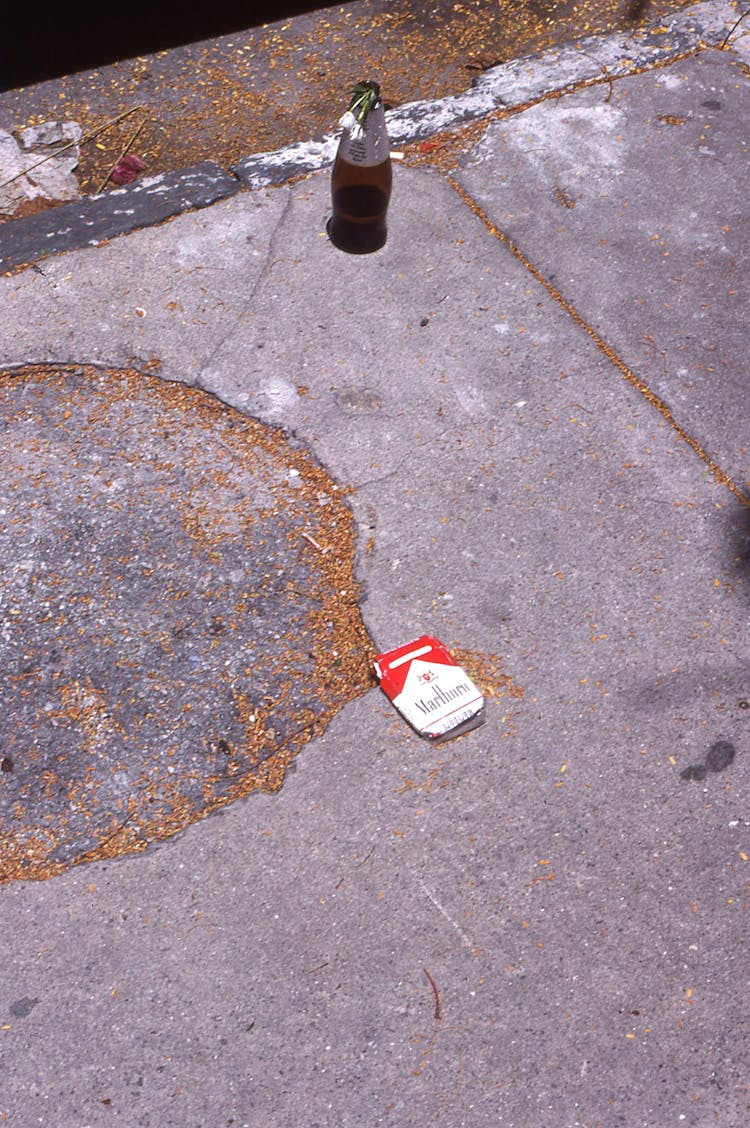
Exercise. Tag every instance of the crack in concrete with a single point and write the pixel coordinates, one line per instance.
(612, 356)
(260, 279)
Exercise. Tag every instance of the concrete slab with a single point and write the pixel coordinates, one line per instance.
(540, 924)
(643, 178)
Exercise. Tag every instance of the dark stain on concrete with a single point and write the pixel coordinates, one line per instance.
(718, 758)
(178, 611)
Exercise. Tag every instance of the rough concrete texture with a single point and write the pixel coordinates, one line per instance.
(543, 923)
(512, 84)
(258, 89)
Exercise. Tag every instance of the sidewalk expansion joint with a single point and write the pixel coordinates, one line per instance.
(612, 356)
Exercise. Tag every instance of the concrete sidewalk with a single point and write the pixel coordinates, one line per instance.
(535, 396)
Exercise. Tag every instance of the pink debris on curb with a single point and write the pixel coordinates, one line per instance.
(126, 169)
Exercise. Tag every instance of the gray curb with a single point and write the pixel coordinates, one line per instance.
(512, 85)
(93, 220)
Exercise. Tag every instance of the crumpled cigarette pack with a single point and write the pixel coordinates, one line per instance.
(429, 688)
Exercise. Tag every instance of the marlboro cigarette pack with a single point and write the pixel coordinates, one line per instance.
(429, 688)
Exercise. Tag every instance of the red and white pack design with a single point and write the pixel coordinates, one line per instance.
(429, 688)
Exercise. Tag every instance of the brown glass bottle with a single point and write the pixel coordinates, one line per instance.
(360, 197)
(361, 182)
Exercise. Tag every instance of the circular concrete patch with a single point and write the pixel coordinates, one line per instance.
(178, 613)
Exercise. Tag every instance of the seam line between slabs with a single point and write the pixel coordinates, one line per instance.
(612, 356)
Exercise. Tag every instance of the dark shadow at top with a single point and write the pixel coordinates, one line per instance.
(87, 36)
(636, 10)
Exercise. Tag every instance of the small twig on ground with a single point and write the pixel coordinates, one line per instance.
(369, 854)
(314, 543)
(438, 1014)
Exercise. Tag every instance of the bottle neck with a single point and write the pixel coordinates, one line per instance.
(372, 148)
